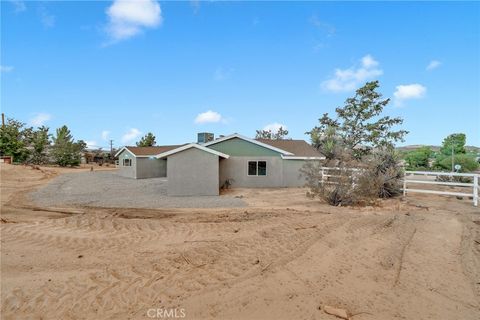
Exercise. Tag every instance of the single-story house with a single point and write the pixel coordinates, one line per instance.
(202, 168)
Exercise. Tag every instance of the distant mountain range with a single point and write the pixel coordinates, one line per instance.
(434, 148)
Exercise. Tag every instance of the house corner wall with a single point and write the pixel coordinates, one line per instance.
(291, 173)
(193, 172)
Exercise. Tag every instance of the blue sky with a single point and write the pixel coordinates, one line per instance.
(116, 70)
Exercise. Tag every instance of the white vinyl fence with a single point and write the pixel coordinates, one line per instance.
(335, 172)
(430, 178)
(424, 178)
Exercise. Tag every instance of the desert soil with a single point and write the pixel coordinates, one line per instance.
(281, 257)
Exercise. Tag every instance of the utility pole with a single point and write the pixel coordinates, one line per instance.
(111, 149)
(3, 119)
(453, 166)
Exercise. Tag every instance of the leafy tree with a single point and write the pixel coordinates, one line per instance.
(40, 140)
(280, 134)
(418, 159)
(14, 137)
(455, 140)
(147, 141)
(358, 124)
(66, 152)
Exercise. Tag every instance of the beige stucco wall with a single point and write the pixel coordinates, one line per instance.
(236, 168)
(151, 168)
(193, 172)
(291, 173)
(280, 173)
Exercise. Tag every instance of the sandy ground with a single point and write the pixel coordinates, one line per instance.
(282, 257)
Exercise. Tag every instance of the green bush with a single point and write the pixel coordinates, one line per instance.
(418, 159)
(467, 162)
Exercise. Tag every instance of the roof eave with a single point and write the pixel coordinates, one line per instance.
(125, 149)
(133, 154)
(302, 158)
(189, 146)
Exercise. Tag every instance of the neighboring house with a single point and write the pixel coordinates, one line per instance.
(202, 168)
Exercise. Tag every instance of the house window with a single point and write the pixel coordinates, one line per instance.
(252, 168)
(262, 168)
(257, 168)
(127, 162)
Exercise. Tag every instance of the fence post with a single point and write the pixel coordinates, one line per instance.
(475, 190)
(404, 184)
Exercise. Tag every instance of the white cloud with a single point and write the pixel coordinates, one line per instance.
(369, 62)
(351, 78)
(128, 18)
(131, 135)
(221, 74)
(434, 64)
(19, 5)
(409, 91)
(40, 119)
(105, 134)
(274, 127)
(6, 68)
(209, 117)
(47, 19)
(91, 144)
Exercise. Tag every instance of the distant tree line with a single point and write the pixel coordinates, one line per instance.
(38, 146)
(453, 146)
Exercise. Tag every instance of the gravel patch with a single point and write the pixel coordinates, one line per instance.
(107, 189)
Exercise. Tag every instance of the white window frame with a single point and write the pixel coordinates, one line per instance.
(123, 162)
(257, 161)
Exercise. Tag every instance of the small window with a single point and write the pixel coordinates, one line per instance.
(127, 162)
(252, 168)
(257, 168)
(262, 168)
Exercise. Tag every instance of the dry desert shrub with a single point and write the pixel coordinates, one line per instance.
(387, 174)
(354, 182)
(337, 189)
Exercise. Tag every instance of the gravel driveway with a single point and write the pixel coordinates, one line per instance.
(107, 189)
